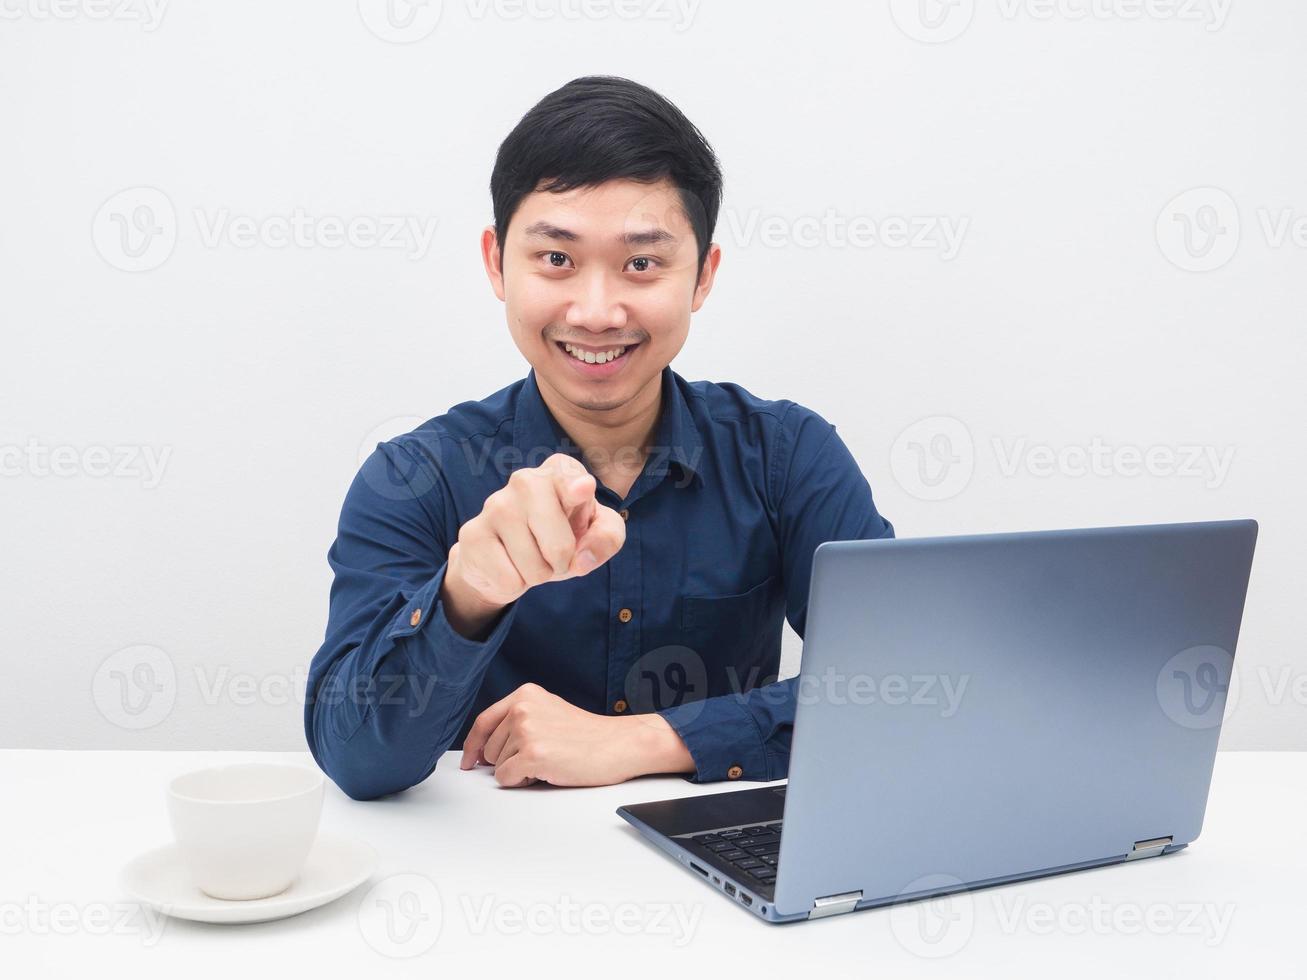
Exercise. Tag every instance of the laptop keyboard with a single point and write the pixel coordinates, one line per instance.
(752, 849)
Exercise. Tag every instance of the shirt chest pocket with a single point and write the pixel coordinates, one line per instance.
(737, 636)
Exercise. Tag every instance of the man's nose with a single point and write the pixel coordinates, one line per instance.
(598, 305)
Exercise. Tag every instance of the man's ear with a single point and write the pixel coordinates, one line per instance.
(491, 258)
(706, 276)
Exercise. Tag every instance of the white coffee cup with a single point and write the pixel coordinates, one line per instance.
(245, 830)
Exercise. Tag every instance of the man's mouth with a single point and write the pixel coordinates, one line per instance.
(587, 355)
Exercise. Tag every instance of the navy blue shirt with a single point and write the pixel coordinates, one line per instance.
(721, 526)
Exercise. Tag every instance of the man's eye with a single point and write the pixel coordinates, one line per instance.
(556, 259)
(642, 263)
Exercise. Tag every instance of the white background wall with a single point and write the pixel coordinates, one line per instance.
(1067, 312)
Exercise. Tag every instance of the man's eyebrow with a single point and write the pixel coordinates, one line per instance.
(543, 229)
(647, 237)
(651, 236)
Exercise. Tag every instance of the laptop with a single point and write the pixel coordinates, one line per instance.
(983, 709)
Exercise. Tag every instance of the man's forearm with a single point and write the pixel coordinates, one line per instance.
(738, 736)
(386, 706)
(395, 745)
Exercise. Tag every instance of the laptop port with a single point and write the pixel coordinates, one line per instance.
(746, 899)
(699, 869)
(730, 889)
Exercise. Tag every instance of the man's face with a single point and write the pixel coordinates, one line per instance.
(603, 269)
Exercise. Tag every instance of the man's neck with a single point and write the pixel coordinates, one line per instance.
(614, 442)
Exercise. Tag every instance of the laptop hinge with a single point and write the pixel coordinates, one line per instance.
(1148, 848)
(834, 904)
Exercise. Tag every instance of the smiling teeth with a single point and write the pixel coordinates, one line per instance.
(590, 357)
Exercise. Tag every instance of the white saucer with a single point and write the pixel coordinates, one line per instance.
(159, 879)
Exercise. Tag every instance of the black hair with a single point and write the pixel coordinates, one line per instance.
(599, 128)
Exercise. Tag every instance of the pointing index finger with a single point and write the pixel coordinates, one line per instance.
(575, 487)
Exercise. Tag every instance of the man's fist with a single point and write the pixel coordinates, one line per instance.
(544, 525)
(533, 735)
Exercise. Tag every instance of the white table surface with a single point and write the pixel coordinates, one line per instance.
(550, 881)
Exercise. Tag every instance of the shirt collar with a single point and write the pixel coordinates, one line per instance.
(677, 440)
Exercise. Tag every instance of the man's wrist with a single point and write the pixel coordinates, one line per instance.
(658, 748)
(470, 615)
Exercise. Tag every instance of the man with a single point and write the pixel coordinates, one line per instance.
(581, 578)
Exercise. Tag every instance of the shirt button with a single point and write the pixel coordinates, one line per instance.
(625, 513)
(619, 705)
(735, 772)
(415, 618)
(624, 615)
